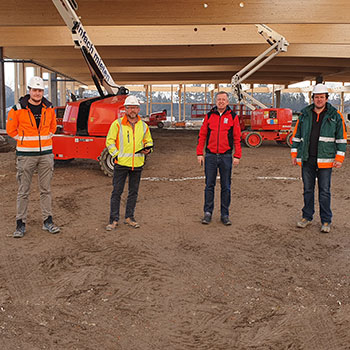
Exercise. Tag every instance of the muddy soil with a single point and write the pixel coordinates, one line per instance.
(175, 283)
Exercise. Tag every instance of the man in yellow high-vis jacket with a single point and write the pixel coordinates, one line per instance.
(129, 140)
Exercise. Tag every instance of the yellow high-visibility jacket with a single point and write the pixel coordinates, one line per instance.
(123, 142)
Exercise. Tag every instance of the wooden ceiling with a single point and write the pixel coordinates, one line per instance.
(184, 41)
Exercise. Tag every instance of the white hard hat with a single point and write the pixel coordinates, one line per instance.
(131, 101)
(36, 83)
(320, 89)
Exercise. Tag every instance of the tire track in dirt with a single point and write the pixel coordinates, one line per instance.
(23, 277)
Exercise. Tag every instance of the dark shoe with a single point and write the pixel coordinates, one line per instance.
(131, 222)
(206, 219)
(303, 223)
(226, 221)
(326, 227)
(20, 229)
(112, 226)
(50, 226)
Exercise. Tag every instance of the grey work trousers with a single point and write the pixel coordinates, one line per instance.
(26, 165)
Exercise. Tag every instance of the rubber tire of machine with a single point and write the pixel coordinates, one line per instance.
(160, 125)
(256, 140)
(106, 162)
(289, 139)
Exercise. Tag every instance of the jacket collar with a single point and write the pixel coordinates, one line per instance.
(215, 110)
(329, 107)
(24, 102)
(126, 122)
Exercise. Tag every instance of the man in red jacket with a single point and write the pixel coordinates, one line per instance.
(221, 135)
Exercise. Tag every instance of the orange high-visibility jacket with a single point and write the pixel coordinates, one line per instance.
(21, 125)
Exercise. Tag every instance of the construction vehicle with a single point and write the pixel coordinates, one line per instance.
(156, 119)
(265, 123)
(82, 131)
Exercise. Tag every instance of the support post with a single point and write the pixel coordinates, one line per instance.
(171, 100)
(53, 88)
(278, 98)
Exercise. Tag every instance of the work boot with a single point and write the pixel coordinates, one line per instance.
(206, 219)
(303, 223)
(20, 229)
(49, 226)
(131, 222)
(226, 221)
(112, 226)
(326, 227)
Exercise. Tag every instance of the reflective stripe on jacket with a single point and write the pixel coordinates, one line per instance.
(21, 125)
(331, 143)
(123, 142)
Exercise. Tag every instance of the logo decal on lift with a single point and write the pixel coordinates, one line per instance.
(83, 140)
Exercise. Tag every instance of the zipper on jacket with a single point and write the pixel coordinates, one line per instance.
(133, 147)
(219, 132)
(128, 137)
(30, 118)
(22, 137)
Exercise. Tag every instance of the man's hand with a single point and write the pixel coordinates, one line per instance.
(337, 164)
(294, 161)
(235, 161)
(145, 151)
(200, 160)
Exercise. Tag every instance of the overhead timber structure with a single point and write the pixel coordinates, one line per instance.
(184, 41)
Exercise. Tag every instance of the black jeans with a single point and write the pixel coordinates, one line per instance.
(213, 162)
(119, 177)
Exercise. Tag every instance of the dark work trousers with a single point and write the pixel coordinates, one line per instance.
(310, 172)
(119, 177)
(213, 162)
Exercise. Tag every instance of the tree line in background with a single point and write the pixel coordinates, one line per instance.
(294, 101)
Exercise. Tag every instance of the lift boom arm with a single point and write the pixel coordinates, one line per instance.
(98, 69)
(278, 44)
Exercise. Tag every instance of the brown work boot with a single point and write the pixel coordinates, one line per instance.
(112, 226)
(326, 227)
(131, 222)
(303, 223)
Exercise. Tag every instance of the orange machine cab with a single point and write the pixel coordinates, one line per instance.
(92, 116)
(271, 119)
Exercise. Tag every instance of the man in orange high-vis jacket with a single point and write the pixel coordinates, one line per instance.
(32, 122)
(319, 144)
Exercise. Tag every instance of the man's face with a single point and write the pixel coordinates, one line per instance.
(36, 95)
(320, 100)
(221, 102)
(132, 111)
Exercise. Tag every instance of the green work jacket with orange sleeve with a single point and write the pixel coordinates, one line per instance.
(331, 143)
(123, 142)
(21, 125)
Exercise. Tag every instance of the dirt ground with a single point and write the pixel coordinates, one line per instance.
(175, 283)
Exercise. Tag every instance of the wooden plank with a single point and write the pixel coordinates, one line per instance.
(174, 35)
(158, 12)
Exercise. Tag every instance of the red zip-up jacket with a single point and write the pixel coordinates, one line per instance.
(220, 134)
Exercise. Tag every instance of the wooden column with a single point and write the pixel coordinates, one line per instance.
(150, 98)
(38, 71)
(63, 93)
(20, 84)
(179, 91)
(342, 100)
(184, 109)
(147, 99)
(171, 100)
